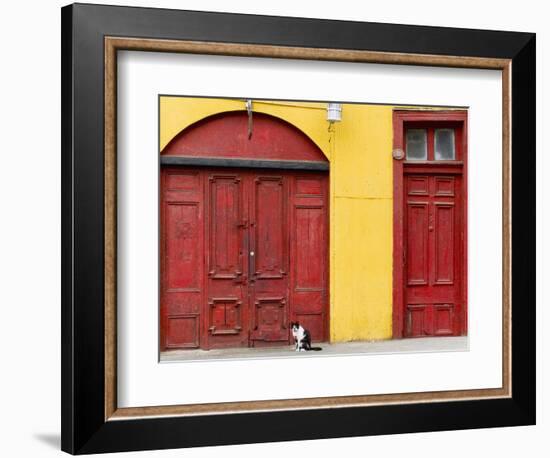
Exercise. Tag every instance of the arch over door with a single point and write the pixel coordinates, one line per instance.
(235, 139)
(243, 250)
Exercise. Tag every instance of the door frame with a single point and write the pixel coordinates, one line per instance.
(400, 119)
(203, 145)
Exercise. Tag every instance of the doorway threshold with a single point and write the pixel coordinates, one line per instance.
(411, 345)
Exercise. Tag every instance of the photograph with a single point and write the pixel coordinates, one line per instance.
(262, 229)
(292, 228)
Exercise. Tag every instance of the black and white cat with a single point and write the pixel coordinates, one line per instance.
(302, 338)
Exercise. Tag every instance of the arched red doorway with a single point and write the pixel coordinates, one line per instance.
(244, 234)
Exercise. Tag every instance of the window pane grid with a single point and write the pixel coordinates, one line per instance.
(430, 144)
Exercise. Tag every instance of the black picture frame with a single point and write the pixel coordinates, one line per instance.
(84, 428)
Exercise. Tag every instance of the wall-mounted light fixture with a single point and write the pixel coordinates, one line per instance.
(334, 112)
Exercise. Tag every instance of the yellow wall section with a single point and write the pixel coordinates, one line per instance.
(361, 222)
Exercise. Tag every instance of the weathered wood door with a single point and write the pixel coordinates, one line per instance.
(225, 310)
(243, 252)
(269, 259)
(430, 224)
(433, 254)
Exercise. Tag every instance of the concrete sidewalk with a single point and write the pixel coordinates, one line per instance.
(418, 345)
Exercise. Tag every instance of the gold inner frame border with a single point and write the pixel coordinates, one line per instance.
(114, 44)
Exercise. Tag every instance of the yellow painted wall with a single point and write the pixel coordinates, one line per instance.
(359, 150)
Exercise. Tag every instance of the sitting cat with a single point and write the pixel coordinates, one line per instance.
(302, 338)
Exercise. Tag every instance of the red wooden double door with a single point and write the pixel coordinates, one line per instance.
(243, 253)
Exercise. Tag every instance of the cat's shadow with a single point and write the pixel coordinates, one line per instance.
(51, 439)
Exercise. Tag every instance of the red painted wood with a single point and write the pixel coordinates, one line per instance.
(226, 135)
(432, 243)
(225, 312)
(430, 233)
(269, 259)
(214, 292)
(398, 252)
(182, 247)
(309, 252)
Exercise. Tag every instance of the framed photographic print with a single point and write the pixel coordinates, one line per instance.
(283, 228)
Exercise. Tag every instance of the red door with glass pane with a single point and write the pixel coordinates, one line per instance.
(430, 224)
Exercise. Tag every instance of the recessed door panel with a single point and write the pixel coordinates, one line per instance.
(310, 232)
(271, 251)
(417, 319)
(444, 227)
(225, 317)
(270, 319)
(182, 249)
(225, 212)
(417, 243)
